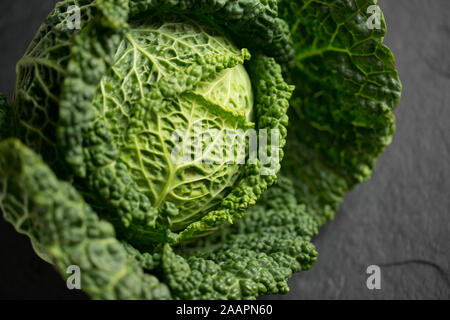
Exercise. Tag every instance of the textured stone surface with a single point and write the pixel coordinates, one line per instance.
(399, 220)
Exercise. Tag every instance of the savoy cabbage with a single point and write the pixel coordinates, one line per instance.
(86, 168)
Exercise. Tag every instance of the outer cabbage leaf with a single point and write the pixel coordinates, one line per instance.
(346, 88)
(65, 231)
(253, 257)
(40, 73)
(254, 24)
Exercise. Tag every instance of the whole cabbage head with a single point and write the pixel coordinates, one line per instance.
(144, 134)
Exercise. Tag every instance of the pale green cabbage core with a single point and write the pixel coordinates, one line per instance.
(158, 133)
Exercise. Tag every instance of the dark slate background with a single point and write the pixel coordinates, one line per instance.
(399, 220)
